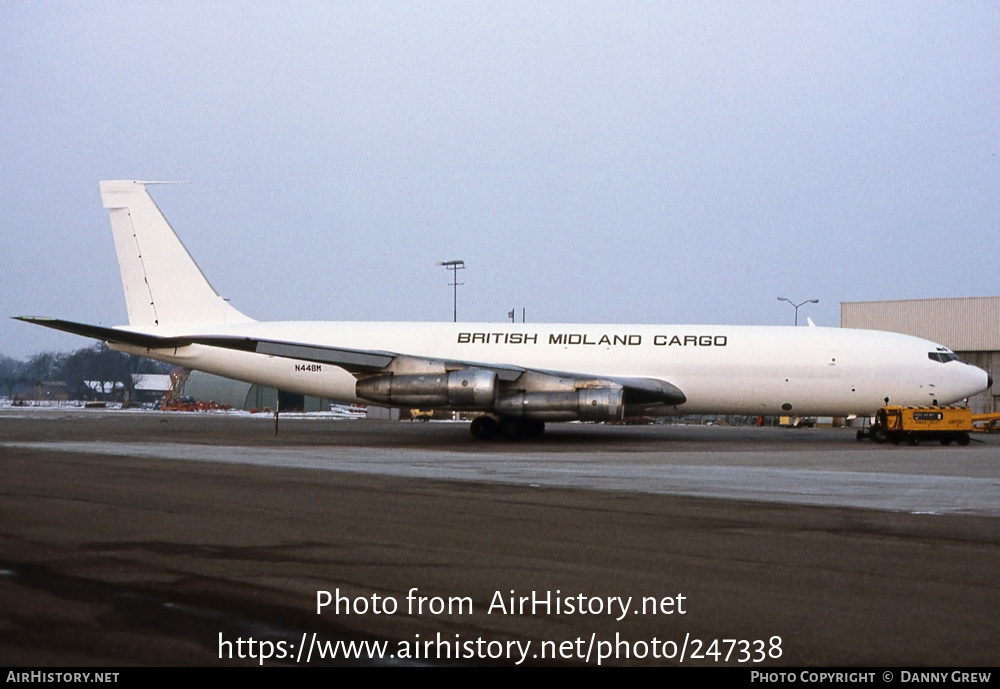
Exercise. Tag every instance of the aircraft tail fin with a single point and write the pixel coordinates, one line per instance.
(163, 284)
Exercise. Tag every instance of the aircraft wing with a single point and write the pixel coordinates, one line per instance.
(636, 391)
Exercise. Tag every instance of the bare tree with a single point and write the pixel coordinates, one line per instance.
(13, 374)
(96, 363)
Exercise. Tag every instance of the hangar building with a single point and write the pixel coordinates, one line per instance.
(970, 327)
(240, 395)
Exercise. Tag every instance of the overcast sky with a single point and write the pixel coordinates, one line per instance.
(592, 162)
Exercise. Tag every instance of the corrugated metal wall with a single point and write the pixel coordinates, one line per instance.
(969, 326)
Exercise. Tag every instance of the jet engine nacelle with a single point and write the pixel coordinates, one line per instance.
(585, 404)
(471, 388)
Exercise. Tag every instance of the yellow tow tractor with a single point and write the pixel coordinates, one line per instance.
(986, 423)
(895, 424)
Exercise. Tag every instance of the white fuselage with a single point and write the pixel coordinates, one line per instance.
(720, 369)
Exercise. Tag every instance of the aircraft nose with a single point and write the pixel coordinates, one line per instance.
(978, 381)
(981, 375)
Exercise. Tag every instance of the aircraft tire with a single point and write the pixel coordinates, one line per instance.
(511, 428)
(521, 428)
(483, 427)
(878, 434)
(533, 428)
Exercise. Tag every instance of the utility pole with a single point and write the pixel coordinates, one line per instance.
(454, 267)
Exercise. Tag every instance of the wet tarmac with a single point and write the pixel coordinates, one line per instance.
(135, 538)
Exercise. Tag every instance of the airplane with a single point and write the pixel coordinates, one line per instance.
(517, 376)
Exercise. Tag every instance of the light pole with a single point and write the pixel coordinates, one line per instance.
(454, 267)
(807, 301)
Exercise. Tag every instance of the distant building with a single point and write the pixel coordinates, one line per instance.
(49, 391)
(150, 387)
(969, 326)
(382, 413)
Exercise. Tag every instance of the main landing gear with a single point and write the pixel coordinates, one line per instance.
(485, 427)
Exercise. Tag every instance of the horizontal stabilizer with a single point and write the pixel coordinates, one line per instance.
(115, 335)
(349, 359)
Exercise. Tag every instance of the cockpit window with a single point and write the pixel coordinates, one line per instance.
(943, 356)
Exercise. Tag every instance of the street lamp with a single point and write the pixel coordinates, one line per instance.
(454, 267)
(807, 301)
